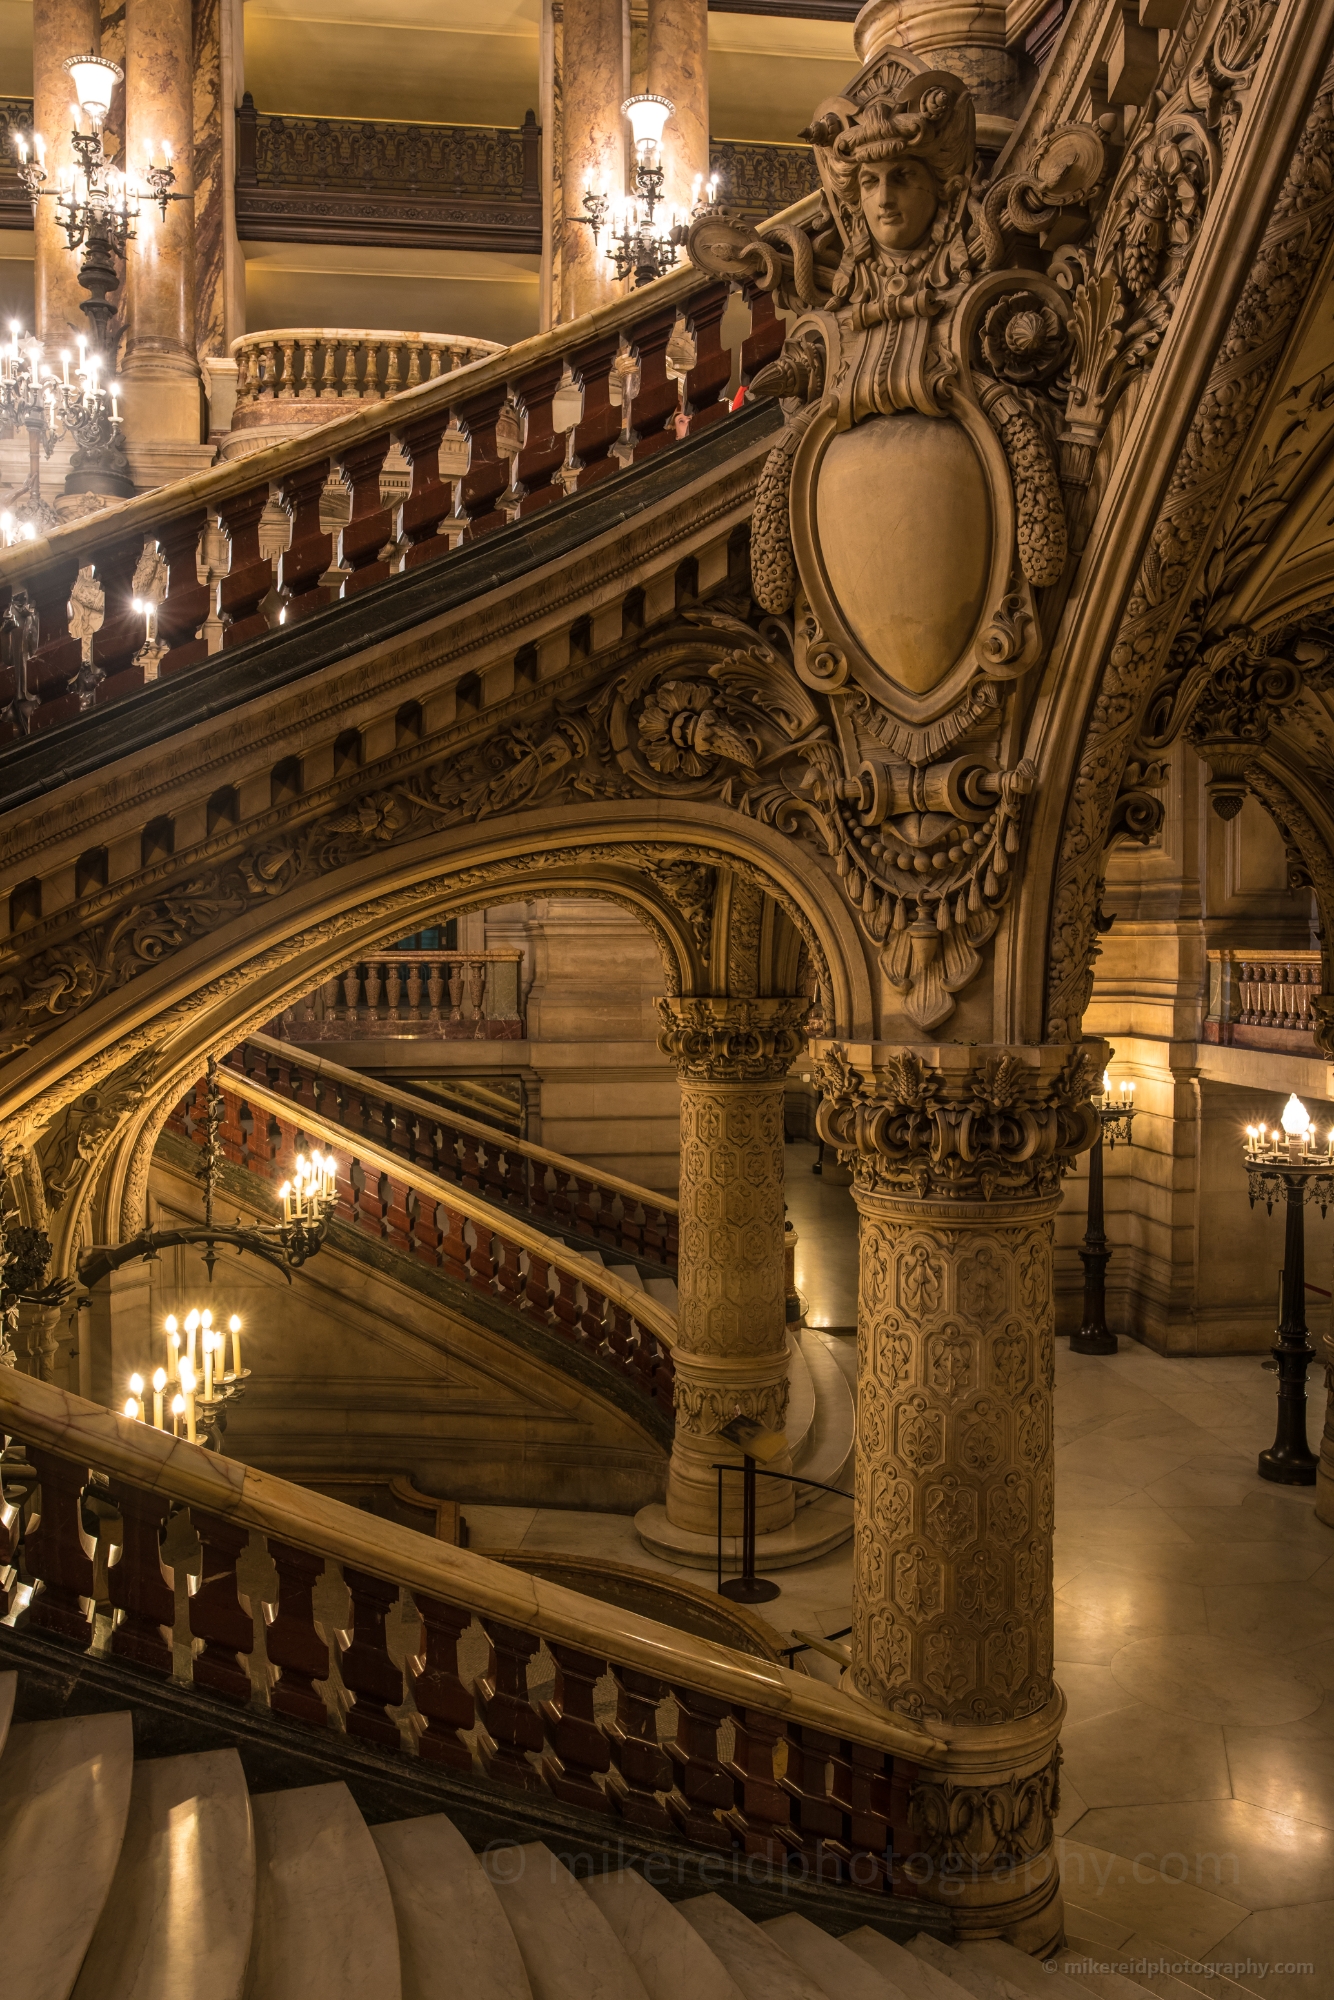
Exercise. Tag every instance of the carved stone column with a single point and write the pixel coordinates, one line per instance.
(678, 67)
(60, 28)
(162, 402)
(956, 1161)
(965, 37)
(592, 143)
(732, 1056)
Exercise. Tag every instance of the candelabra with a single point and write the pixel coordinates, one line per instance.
(639, 246)
(50, 406)
(1114, 1121)
(1294, 1169)
(98, 207)
(193, 1392)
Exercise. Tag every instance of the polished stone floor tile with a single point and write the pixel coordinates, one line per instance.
(1214, 1680)
(1266, 1611)
(1073, 1806)
(1136, 1755)
(1117, 1888)
(1289, 1771)
(1108, 1606)
(1296, 1936)
(1090, 1691)
(1239, 1852)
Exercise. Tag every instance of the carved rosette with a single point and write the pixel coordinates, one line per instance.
(731, 1355)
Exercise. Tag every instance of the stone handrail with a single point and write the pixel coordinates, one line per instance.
(149, 1470)
(1263, 998)
(453, 1230)
(548, 1185)
(432, 995)
(305, 369)
(264, 541)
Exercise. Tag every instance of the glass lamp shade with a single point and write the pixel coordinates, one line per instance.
(647, 117)
(1296, 1118)
(94, 81)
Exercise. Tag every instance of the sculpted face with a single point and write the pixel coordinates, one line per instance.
(899, 202)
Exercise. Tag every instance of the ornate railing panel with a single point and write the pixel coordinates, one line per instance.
(758, 180)
(707, 1747)
(1263, 1000)
(442, 996)
(555, 1191)
(313, 180)
(308, 374)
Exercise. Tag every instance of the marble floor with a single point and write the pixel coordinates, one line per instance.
(1194, 1642)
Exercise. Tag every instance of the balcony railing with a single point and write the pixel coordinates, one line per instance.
(442, 996)
(1263, 1000)
(292, 376)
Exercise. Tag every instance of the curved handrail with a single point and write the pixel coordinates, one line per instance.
(379, 333)
(51, 1419)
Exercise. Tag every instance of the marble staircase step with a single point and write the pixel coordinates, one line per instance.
(453, 1937)
(570, 1951)
(324, 1918)
(1028, 1976)
(669, 1954)
(64, 1796)
(760, 1967)
(180, 1912)
(1187, 1975)
(962, 1970)
(911, 1974)
(664, 1291)
(836, 1969)
(827, 1438)
(1104, 1985)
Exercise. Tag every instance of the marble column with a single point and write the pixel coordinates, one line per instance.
(60, 28)
(678, 67)
(731, 1354)
(160, 369)
(593, 143)
(966, 37)
(957, 1156)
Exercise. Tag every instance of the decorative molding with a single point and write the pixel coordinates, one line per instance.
(963, 1828)
(732, 1041)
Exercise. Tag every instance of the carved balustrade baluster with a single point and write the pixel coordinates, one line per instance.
(641, 1357)
(397, 1212)
(593, 1318)
(514, 1179)
(367, 1669)
(585, 1220)
(509, 1272)
(454, 1248)
(137, 1586)
(702, 397)
(374, 981)
(351, 993)
(508, 1717)
(620, 1338)
(664, 1380)
(560, 1203)
(862, 1784)
(816, 1814)
(539, 1195)
(704, 1789)
(481, 1265)
(393, 987)
(537, 1287)
(641, 1767)
(435, 990)
(494, 1187)
(565, 1306)
(579, 1752)
(762, 1813)
(217, 1615)
(440, 1695)
(470, 1167)
(653, 1234)
(414, 991)
(293, 1644)
(455, 993)
(54, 1554)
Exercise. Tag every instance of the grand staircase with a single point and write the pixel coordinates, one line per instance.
(168, 1878)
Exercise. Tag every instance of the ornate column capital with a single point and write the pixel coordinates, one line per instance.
(1000, 1125)
(716, 1040)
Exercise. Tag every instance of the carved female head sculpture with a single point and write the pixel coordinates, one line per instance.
(898, 170)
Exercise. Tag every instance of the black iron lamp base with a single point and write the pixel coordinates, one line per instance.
(1093, 1340)
(749, 1589)
(1287, 1469)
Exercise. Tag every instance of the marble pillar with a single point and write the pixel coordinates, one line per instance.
(593, 143)
(965, 37)
(60, 28)
(731, 1353)
(957, 1156)
(214, 120)
(678, 67)
(160, 369)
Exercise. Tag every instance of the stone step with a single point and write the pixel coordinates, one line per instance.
(838, 1971)
(570, 1951)
(64, 1796)
(180, 1912)
(827, 1436)
(905, 1969)
(1186, 1978)
(669, 1954)
(760, 1967)
(1031, 1977)
(962, 1970)
(453, 1937)
(324, 1918)
(663, 1290)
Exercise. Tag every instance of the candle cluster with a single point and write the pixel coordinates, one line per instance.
(1299, 1139)
(314, 1186)
(196, 1373)
(1123, 1098)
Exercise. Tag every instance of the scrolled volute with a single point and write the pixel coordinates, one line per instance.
(715, 1040)
(1001, 1130)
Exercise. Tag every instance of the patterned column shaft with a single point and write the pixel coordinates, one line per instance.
(956, 1174)
(731, 1355)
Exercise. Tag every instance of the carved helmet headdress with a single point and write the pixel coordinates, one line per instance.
(928, 118)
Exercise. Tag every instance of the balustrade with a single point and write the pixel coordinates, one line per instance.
(1263, 1000)
(452, 1230)
(425, 995)
(745, 1756)
(290, 377)
(558, 1192)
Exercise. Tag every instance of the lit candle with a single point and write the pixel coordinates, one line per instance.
(115, 405)
(188, 1385)
(159, 1384)
(234, 1326)
(137, 1392)
(208, 1366)
(64, 364)
(22, 145)
(173, 1346)
(131, 1407)
(177, 1412)
(39, 147)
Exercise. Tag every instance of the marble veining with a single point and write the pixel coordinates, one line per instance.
(761, 1968)
(838, 1970)
(669, 1954)
(453, 1937)
(324, 1920)
(182, 1902)
(64, 1794)
(569, 1949)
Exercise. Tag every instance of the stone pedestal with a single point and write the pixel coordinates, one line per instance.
(160, 370)
(593, 143)
(678, 67)
(731, 1354)
(956, 1156)
(60, 28)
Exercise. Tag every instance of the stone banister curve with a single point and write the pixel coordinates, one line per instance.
(51, 1420)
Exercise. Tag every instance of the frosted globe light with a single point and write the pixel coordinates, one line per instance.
(647, 115)
(1296, 1118)
(94, 80)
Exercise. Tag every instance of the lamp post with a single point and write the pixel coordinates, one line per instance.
(1294, 1168)
(1115, 1119)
